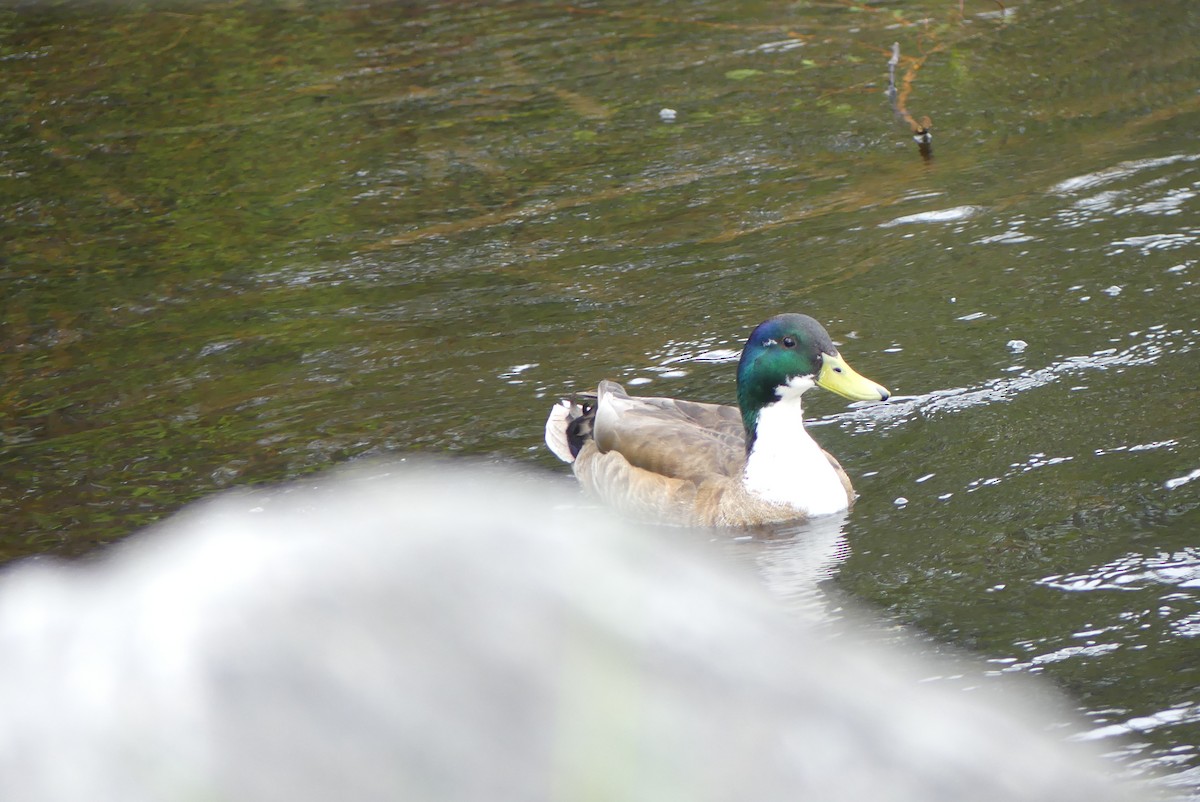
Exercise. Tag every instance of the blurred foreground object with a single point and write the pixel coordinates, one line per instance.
(429, 631)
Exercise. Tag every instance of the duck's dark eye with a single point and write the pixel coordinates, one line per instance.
(789, 342)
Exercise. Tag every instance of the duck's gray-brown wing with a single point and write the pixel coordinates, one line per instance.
(641, 494)
(677, 439)
(841, 472)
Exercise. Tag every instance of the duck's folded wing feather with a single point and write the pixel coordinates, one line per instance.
(640, 494)
(671, 438)
(842, 475)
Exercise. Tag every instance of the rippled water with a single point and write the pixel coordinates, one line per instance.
(243, 243)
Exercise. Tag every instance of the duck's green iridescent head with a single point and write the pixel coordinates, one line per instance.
(783, 352)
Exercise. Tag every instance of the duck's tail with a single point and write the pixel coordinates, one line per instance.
(570, 425)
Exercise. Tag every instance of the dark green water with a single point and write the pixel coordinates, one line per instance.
(243, 242)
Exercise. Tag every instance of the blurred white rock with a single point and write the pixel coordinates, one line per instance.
(442, 632)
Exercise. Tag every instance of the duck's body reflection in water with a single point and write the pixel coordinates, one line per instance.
(435, 633)
(794, 561)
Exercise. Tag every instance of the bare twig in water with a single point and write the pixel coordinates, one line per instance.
(962, 13)
(899, 98)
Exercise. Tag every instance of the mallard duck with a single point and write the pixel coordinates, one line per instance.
(695, 464)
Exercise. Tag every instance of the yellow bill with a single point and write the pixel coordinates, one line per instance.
(838, 377)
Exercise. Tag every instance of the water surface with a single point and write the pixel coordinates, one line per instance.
(246, 242)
